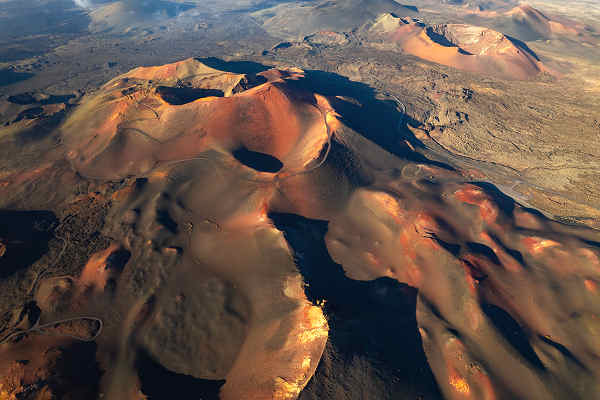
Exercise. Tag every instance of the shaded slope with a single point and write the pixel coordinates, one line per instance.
(373, 338)
(24, 236)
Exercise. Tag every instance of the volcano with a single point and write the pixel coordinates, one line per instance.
(465, 47)
(255, 240)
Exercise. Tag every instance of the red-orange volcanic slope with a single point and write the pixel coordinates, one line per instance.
(464, 47)
(211, 289)
(529, 24)
(548, 27)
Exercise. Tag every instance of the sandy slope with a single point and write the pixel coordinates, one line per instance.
(465, 47)
(534, 24)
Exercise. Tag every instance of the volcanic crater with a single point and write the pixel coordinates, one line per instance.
(208, 280)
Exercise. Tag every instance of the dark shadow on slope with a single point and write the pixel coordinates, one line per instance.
(373, 341)
(259, 161)
(439, 39)
(182, 95)
(31, 98)
(158, 383)
(42, 129)
(283, 45)
(512, 332)
(377, 120)
(248, 82)
(163, 217)
(452, 248)
(591, 243)
(75, 374)
(564, 351)
(236, 67)
(344, 162)
(535, 212)
(483, 250)
(30, 113)
(443, 41)
(504, 202)
(9, 76)
(411, 8)
(523, 46)
(118, 259)
(512, 252)
(26, 235)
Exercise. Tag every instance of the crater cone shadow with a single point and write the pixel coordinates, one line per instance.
(504, 202)
(524, 46)
(76, 373)
(373, 336)
(259, 161)
(28, 98)
(158, 383)
(443, 41)
(513, 333)
(9, 76)
(377, 120)
(182, 95)
(236, 67)
(26, 235)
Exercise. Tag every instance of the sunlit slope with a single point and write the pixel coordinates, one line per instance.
(465, 47)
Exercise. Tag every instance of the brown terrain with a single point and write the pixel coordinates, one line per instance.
(206, 163)
(400, 203)
(293, 20)
(465, 47)
(530, 23)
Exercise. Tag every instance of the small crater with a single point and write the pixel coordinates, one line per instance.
(182, 95)
(248, 82)
(259, 161)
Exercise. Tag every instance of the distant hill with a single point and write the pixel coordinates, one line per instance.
(121, 15)
(466, 47)
(529, 23)
(298, 19)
